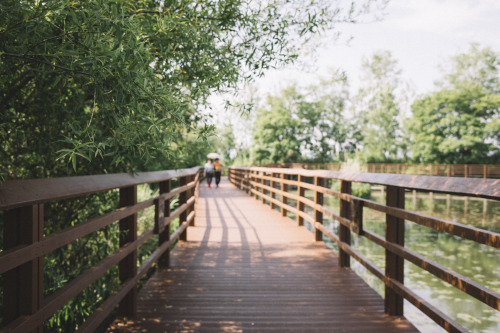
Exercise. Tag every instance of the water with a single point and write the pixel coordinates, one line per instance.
(478, 262)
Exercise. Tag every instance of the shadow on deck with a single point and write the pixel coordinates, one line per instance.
(246, 268)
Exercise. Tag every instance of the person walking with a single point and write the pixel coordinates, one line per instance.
(209, 172)
(218, 171)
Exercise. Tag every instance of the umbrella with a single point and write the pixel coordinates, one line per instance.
(213, 156)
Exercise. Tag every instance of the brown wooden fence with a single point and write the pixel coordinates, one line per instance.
(21, 262)
(447, 170)
(275, 186)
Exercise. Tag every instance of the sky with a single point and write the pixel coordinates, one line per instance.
(420, 34)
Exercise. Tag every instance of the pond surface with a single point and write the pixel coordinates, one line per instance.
(478, 262)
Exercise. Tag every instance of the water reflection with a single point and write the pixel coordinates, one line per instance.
(476, 261)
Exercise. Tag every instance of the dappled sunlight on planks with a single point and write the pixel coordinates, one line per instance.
(245, 268)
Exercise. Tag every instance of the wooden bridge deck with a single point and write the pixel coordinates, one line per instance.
(245, 268)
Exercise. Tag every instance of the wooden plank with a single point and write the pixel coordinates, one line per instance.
(183, 200)
(192, 198)
(344, 231)
(23, 285)
(431, 311)
(164, 236)
(17, 193)
(485, 295)
(394, 264)
(62, 296)
(128, 266)
(247, 268)
(273, 186)
(284, 188)
(485, 188)
(21, 254)
(318, 214)
(478, 235)
(177, 190)
(301, 191)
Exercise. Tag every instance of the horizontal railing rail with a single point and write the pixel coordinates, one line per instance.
(25, 246)
(445, 170)
(268, 183)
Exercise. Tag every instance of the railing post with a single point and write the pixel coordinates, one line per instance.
(318, 215)
(128, 266)
(164, 236)
(273, 194)
(262, 190)
(23, 285)
(182, 200)
(256, 180)
(344, 232)
(248, 182)
(394, 264)
(300, 205)
(191, 194)
(284, 188)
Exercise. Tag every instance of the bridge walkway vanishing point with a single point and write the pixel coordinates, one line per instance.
(246, 268)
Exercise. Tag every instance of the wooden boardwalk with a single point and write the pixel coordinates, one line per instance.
(245, 268)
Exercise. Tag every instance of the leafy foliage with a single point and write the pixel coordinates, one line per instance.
(456, 126)
(89, 87)
(276, 136)
(110, 85)
(458, 123)
(378, 110)
(461, 122)
(480, 66)
(298, 127)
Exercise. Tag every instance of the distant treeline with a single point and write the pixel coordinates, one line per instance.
(458, 123)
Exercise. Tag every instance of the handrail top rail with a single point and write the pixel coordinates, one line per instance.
(22, 192)
(484, 188)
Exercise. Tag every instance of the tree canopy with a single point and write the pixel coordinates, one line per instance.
(461, 122)
(110, 85)
(457, 123)
(295, 127)
(456, 126)
(378, 112)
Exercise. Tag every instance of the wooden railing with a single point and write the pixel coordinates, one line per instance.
(21, 262)
(275, 186)
(446, 170)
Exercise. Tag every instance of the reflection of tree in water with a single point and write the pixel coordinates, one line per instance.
(475, 261)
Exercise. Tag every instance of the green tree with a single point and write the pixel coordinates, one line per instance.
(461, 122)
(378, 109)
(307, 126)
(456, 126)
(276, 133)
(105, 86)
(224, 142)
(325, 131)
(109, 84)
(480, 66)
